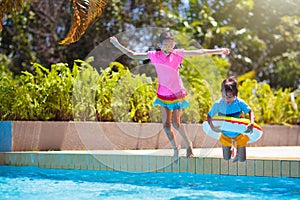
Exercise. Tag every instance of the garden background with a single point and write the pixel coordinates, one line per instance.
(43, 80)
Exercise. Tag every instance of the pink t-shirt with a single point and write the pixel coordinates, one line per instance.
(169, 81)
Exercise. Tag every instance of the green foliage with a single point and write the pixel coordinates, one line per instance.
(115, 94)
(45, 95)
(248, 75)
(270, 107)
(259, 33)
(7, 88)
(108, 81)
(84, 92)
(200, 101)
(122, 96)
(263, 35)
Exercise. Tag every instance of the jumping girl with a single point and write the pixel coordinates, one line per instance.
(171, 94)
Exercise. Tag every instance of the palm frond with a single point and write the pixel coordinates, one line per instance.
(84, 14)
(10, 7)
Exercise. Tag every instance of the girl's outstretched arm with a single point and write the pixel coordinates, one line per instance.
(128, 52)
(199, 52)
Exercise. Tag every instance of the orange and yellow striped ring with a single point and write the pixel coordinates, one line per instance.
(238, 125)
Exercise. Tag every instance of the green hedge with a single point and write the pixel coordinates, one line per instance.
(115, 94)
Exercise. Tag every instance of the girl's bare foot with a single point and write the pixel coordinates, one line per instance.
(189, 152)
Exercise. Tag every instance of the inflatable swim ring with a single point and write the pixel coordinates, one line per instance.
(232, 124)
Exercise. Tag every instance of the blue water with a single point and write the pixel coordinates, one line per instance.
(55, 184)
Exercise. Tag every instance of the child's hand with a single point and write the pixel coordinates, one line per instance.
(249, 128)
(114, 41)
(225, 51)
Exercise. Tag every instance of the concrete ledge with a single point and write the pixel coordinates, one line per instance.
(42, 136)
(206, 161)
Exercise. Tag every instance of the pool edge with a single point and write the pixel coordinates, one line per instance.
(135, 162)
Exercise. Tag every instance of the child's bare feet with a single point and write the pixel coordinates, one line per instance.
(189, 152)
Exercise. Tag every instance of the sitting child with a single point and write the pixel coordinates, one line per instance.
(231, 106)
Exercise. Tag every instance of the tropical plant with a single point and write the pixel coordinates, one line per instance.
(115, 94)
(263, 35)
(44, 95)
(108, 80)
(7, 87)
(270, 106)
(84, 91)
(122, 96)
(84, 14)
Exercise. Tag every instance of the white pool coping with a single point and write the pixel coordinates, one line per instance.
(275, 153)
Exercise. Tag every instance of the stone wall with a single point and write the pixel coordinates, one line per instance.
(43, 136)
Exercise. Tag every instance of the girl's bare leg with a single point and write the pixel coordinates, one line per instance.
(181, 129)
(167, 121)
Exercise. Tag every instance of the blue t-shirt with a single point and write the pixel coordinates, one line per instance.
(234, 109)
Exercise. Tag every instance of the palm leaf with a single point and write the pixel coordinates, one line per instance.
(84, 14)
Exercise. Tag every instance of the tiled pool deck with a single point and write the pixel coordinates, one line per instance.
(261, 161)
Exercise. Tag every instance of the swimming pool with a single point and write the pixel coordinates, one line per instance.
(55, 184)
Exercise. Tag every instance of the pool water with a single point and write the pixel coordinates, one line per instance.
(55, 184)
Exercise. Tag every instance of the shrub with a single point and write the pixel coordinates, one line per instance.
(270, 107)
(115, 94)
